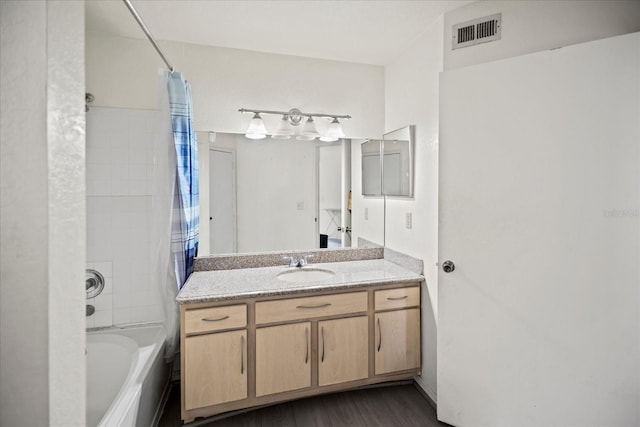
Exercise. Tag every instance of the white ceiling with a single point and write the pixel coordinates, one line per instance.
(369, 32)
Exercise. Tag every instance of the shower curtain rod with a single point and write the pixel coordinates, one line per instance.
(147, 33)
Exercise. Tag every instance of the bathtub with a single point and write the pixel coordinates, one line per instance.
(126, 376)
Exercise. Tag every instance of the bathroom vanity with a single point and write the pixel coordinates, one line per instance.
(254, 336)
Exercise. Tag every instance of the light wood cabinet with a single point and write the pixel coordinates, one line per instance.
(343, 350)
(215, 368)
(262, 350)
(310, 307)
(283, 358)
(397, 340)
(390, 299)
(215, 319)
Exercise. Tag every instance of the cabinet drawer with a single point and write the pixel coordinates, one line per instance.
(397, 298)
(310, 307)
(215, 318)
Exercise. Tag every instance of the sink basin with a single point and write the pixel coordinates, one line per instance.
(305, 275)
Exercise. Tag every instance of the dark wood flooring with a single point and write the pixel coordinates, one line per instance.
(397, 405)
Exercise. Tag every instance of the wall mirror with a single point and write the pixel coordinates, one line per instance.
(387, 164)
(272, 195)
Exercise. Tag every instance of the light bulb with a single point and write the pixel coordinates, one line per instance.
(309, 130)
(257, 129)
(284, 131)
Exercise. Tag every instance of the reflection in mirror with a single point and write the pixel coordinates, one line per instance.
(397, 167)
(271, 195)
(368, 211)
(371, 168)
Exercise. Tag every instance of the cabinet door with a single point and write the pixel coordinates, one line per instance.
(397, 340)
(283, 358)
(215, 368)
(343, 353)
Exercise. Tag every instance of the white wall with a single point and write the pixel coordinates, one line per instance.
(533, 26)
(42, 214)
(119, 205)
(411, 91)
(121, 73)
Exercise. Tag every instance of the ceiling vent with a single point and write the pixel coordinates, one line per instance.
(481, 30)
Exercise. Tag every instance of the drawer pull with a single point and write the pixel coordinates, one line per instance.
(379, 335)
(241, 354)
(322, 358)
(315, 306)
(306, 349)
(208, 319)
(397, 298)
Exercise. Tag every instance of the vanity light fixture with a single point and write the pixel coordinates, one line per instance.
(257, 129)
(291, 120)
(334, 133)
(309, 131)
(285, 131)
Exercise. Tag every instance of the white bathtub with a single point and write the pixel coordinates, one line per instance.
(126, 376)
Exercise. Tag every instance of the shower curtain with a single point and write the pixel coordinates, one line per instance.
(186, 146)
(175, 207)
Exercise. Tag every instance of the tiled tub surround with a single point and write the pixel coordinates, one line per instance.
(220, 285)
(249, 339)
(102, 303)
(119, 203)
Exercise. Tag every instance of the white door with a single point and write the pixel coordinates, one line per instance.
(539, 211)
(222, 200)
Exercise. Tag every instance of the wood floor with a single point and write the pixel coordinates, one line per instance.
(398, 405)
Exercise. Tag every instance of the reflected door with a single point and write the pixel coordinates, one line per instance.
(222, 201)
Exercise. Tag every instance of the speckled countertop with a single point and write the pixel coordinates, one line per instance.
(220, 285)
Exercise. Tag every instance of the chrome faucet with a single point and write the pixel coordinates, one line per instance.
(293, 261)
(303, 261)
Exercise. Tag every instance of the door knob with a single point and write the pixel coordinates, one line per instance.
(448, 266)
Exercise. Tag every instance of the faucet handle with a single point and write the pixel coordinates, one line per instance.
(293, 262)
(305, 259)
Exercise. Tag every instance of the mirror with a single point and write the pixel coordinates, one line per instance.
(272, 195)
(397, 166)
(371, 168)
(393, 176)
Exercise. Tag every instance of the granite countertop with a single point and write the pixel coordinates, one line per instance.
(221, 285)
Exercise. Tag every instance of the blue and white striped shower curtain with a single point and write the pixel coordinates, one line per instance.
(186, 235)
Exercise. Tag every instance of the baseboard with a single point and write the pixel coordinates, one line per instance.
(426, 391)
